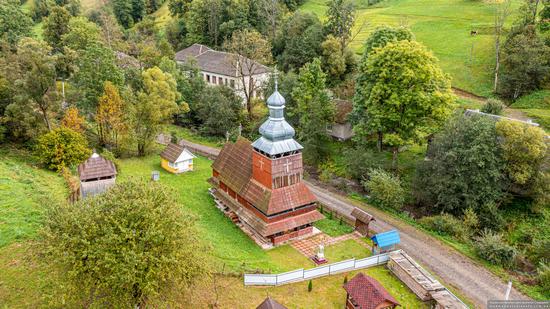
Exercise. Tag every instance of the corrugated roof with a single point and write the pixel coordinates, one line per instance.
(368, 293)
(386, 239)
(218, 62)
(96, 167)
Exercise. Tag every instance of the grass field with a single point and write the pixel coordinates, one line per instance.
(24, 187)
(443, 26)
(24, 190)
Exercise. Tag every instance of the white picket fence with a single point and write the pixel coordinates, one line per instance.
(324, 270)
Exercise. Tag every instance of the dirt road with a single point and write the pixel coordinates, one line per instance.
(453, 268)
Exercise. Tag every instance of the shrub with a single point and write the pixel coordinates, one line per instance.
(345, 279)
(310, 286)
(385, 189)
(61, 147)
(445, 224)
(493, 106)
(491, 247)
(543, 272)
(470, 219)
(325, 175)
(358, 162)
(132, 245)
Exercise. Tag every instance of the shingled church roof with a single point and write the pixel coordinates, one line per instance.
(270, 303)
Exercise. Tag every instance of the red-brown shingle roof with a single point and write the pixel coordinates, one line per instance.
(96, 167)
(270, 303)
(367, 293)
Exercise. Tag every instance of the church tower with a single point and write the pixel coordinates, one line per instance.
(277, 157)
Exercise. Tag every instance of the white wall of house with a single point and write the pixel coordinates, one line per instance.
(182, 166)
(236, 83)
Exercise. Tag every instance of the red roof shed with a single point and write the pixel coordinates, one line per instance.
(365, 292)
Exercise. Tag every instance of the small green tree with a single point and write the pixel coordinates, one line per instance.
(61, 147)
(129, 247)
(310, 286)
(385, 189)
(340, 20)
(316, 111)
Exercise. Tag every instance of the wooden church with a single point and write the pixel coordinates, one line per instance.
(261, 182)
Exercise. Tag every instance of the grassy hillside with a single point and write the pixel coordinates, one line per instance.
(443, 26)
(24, 190)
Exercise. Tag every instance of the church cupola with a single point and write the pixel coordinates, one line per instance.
(277, 135)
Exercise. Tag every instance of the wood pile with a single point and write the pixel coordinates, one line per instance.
(421, 282)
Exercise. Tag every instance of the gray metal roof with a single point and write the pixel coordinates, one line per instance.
(277, 134)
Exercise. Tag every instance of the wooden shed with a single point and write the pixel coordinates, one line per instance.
(176, 159)
(96, 174)
(362, 220)
(385, 242)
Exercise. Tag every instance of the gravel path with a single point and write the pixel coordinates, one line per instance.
(453, 268)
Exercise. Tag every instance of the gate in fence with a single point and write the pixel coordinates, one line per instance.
(325, 270)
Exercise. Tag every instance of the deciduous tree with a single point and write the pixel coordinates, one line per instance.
(35, 86)
(72, 120)
(340, 20)
(61, 148)
(81, 34)
(524, 149)
(96, 65)
(152, 107)
(401, 92)
(251, 52)
(316, 111)
(110, 116)
(55, 26)
(465, 169)
(14, 23)
(219, 110)
(132, 246)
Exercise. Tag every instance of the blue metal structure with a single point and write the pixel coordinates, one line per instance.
(386, 241)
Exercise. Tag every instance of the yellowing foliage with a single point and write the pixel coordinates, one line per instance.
(73, 120)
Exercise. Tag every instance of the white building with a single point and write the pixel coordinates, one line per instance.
(176, 159)
(221, 68)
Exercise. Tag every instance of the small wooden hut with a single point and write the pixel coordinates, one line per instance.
(362, 220)
(364, 292)
(176, 159)
(270, 303)
(96, 174)
(385, 242)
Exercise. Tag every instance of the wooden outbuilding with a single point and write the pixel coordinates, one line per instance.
(385, 242)
(176, 159)
(364, 292)
(362, 220)
(270, 303)
(96, 174)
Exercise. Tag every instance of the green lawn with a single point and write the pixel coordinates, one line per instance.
(24, 190)
(194, 137)
(333, 227)
(443, 26)
(345, 250)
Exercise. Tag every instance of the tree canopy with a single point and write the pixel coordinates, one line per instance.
(402, 93)
(124, 248)
(14, 23)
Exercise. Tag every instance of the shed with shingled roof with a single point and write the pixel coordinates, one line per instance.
(176, 159)
(364, 292)
(96, 175)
